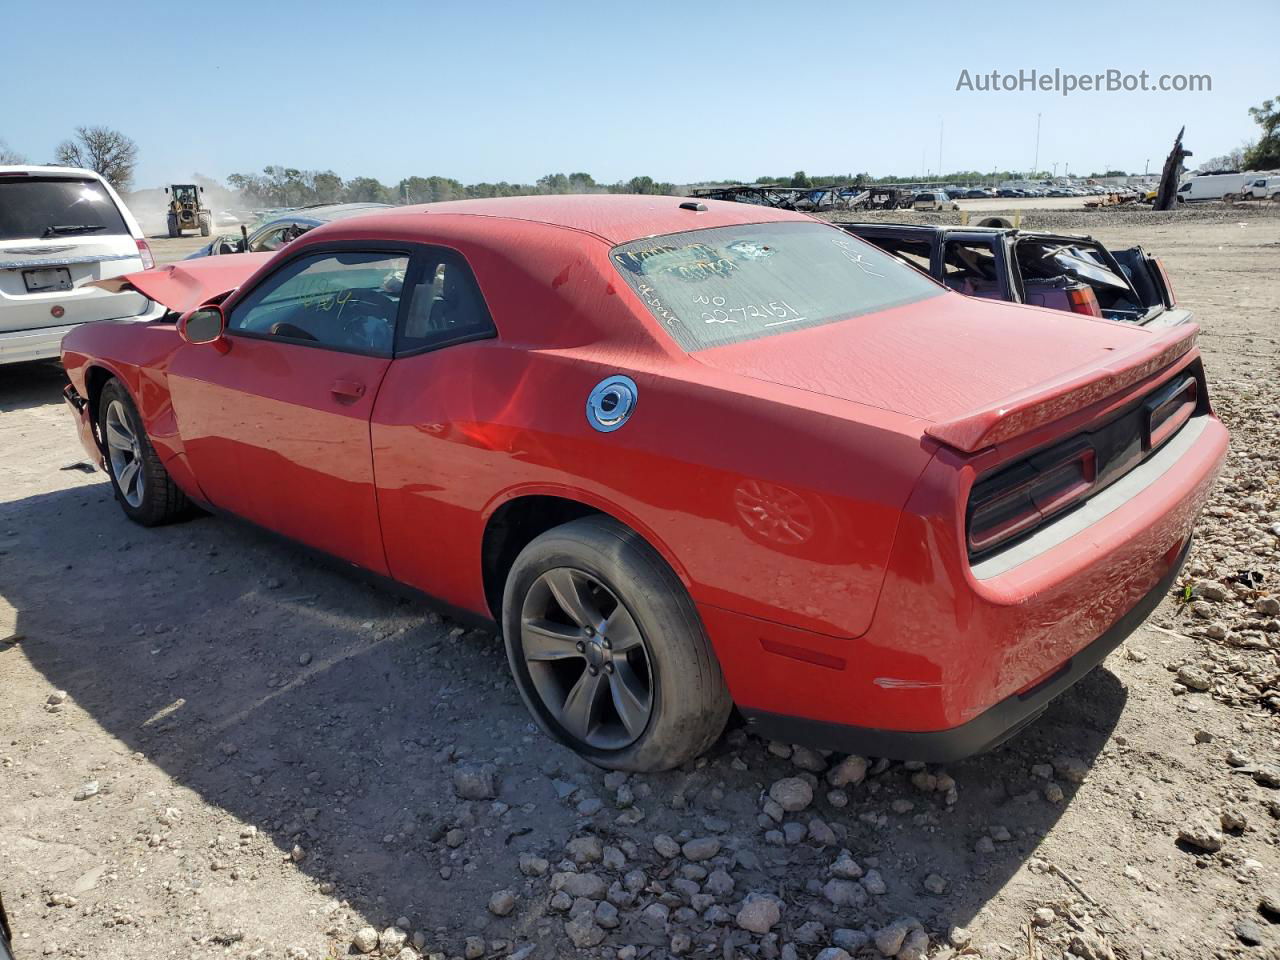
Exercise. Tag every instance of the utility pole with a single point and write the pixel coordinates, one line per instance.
(1035, 164)
(1146, 167)
(940, 123)
(1055, 169)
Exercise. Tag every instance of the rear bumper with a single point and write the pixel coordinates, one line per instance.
(985, 731)
(22, 346)
(45, 343)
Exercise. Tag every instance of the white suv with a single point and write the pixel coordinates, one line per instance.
(61, 229)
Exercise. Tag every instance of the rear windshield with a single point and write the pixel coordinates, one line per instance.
(45, 207)
(731, 284)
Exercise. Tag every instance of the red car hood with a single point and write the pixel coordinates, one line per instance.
(184, 285)
(980, 372)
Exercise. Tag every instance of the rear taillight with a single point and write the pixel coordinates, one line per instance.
(1168, 410)
(1019, 499)
(1164, 278)
(144, 251)
(1084, 300)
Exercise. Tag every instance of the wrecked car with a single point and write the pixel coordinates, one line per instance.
(273, 232)
(1060, 272)
(689, 456)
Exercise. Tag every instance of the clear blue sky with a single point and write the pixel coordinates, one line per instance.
(680, 91)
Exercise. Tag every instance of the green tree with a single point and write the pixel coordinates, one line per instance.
(1265, 154)
(799, 179)
(327, 187)
(367, 190)
(553, 183)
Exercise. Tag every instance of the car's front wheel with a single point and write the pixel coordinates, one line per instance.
(141, 484)
(608, 650)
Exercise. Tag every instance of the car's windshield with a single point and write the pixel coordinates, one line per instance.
(45, 207)
(730, 284)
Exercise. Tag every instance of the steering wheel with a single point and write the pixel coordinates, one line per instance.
(367, 305)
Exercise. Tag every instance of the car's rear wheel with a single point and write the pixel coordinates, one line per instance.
(141, 484)
(608, 650)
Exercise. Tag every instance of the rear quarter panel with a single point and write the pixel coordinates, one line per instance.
(767, 500)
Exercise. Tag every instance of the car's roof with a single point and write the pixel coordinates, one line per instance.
(614, 218)
(321, 213)
(36, 170)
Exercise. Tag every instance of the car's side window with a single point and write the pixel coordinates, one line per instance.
(271, 240)
(341, 300)
(446, 305)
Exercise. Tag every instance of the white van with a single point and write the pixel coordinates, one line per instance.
(1264, 188)
(60, 229)
(1214, 186)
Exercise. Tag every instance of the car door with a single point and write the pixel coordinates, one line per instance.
(431, 443)
(274, 417)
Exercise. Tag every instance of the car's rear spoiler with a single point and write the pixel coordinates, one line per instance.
(184, 285)
(1025, 411)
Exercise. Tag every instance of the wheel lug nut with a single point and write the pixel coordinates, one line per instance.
(606, 644)
(593, 670)
(591, 631)
(581, 646)
(608, 667)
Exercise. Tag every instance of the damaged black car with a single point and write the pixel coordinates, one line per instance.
(1057, 271)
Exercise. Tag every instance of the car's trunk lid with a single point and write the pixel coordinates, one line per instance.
(978, 372)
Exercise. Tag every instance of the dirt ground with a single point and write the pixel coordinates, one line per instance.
(213, 745)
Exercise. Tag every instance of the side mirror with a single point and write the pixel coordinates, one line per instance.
(203, 325)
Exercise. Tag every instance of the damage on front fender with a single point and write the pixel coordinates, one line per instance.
(79, 409)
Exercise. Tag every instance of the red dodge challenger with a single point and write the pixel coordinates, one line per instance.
(689, 456)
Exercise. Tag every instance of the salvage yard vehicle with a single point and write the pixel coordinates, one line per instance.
(933, 200)
(1214, 186)
(186, 212)
(273, 232)
(1060, 272)
(1263, 188)
(689, 455)
(61, 228)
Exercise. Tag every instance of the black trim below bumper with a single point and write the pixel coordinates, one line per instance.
(985, 731)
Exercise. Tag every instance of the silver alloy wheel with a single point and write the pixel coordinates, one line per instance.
(125, 451)
(587, 658)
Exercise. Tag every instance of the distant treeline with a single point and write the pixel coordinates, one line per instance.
(290, 187)
(278, 186)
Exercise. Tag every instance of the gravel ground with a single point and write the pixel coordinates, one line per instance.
(215, 746)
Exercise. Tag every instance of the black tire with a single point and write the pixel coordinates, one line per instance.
(689, 700)
(160, 499)
(172, 223)
(206, 226)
